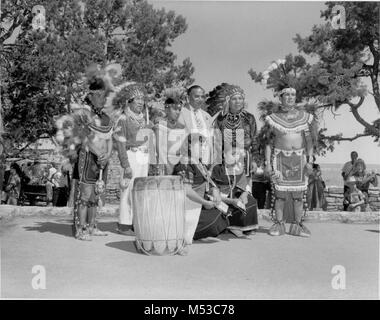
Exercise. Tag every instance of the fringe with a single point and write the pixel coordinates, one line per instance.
(288, 153)
(283, 129)
(290, 188)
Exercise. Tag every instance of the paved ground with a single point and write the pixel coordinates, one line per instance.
(224, 268)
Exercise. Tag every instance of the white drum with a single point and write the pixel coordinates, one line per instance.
(158, 204)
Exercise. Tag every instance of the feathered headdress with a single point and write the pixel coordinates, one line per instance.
(126, 93)
(282, 74)
(218, 97)
(98, 79)
(74, 129)
(174, 96)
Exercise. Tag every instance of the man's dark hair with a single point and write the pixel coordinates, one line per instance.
(193, 88)
(169, 101)
(354, 152)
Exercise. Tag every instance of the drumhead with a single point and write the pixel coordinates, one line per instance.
(158, 182)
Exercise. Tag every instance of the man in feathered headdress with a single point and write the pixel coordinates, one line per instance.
(86, 137)
(234, 126)
(288, 156)
(134, 153)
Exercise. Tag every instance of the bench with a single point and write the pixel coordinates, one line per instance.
(33, 193)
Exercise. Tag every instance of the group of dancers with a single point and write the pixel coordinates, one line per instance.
(213, 144)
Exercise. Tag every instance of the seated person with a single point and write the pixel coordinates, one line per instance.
(202, 218)
(233, 184)
(363, 180)
(353, 197)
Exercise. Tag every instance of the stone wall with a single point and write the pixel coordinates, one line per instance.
(333, 194)
(334, 198)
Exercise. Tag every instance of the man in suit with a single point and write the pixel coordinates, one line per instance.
(198, 125)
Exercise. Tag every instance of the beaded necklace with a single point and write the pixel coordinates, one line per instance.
(137, 118)
(233, 121)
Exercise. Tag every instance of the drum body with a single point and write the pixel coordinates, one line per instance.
(158, 204)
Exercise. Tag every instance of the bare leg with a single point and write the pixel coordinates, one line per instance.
(82, 210)
(83, 232)
(279, 207)
(91, 217)
(94, 231)
(298, 206)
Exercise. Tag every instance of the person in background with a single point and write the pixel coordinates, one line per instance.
(27, 169)
(347, 172)
(51, 171)
(37, 174)
(7, 173)
(363, 180)
(13, 186)
(60, 181)
(353, 197)
(315, 192)
(261, 187)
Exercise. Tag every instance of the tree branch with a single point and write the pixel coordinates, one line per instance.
(375, 74)
(356, 105)
(338, 138)
(372, 130)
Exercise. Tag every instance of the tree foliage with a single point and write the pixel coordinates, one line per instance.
(42, 70)
(344, 57)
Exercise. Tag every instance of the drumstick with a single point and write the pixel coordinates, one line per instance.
(147, 114)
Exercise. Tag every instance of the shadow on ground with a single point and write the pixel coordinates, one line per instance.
(375, 231)
(127, 245)
(66, 229)
(62, 229)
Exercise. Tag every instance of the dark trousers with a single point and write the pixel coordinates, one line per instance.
(346, 191)
(259, 192)
(60, 197)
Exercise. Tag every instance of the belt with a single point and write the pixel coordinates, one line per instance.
(143, 149)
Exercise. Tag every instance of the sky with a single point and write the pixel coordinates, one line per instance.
(225, 39)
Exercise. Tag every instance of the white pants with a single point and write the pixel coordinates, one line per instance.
(139, 162)
(192, 214)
